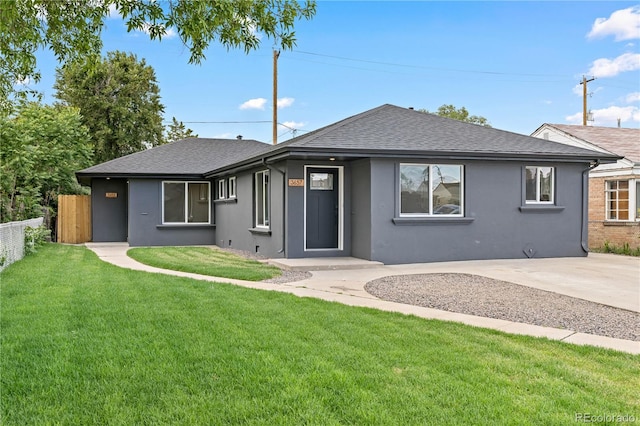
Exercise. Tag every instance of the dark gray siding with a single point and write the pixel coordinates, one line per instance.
(499, 227)
(235, 222)
(295, 211)
(361, 209)
(109, 215)
(145, 219)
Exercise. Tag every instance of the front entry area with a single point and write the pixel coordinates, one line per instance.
(323, 208)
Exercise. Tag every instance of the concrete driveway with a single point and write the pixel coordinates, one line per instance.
(603, 278)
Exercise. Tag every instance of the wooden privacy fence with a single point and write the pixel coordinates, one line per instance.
(74, 219)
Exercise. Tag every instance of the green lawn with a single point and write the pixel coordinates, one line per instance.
(84, 342)
(204, 261)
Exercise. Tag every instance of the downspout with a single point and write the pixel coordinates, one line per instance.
(284, 202)
(584, 241)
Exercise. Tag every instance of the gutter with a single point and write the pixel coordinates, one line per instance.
(584, 241)
(284, 202)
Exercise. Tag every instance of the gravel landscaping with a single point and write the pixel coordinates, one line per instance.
(487, 297)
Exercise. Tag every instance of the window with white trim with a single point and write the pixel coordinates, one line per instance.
(637, 199)
(431, 190)
(617, 200)
(222, 189)
(186, 202)
(232, 187)
(539, 185)
(261, 201)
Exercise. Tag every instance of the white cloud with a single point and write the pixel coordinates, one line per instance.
(285, 102)
(168, 32)
(23, 81)
(113, 12)
(257, 103)
(609, 116)
(578, 90)
(226, 135)
(622, 24)
(611, 67)
(292, 125)
(632, 97)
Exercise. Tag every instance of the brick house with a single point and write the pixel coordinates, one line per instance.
(614, 189)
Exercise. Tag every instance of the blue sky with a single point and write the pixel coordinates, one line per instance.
(516, 63)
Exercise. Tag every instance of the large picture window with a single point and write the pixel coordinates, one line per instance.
(539, 185)
(431, 190)
(262, 199)
(617, 200)
(186, 202)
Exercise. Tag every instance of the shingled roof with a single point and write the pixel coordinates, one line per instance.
(187, 157)
(620, 141)
(390, 129)
(387, 130)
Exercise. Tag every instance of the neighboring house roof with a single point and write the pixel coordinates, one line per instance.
(390, 130)
(187, 157)
(621, 141)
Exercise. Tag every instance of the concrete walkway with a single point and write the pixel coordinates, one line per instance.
(607, 279)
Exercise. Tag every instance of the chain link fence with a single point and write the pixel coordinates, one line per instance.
(12, 240)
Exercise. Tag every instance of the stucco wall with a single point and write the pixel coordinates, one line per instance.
(361, 209)
(498, 229)
(295, 211)
(109, 213)
(235, 218)
(616, 233)
(145, 219)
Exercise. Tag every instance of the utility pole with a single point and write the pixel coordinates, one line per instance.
(584, 98)
(276, 53)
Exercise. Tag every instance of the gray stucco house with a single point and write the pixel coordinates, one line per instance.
(390, 184)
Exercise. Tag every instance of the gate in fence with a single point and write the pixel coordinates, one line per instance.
(74, 219)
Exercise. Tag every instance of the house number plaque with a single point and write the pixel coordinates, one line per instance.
(111, 195)
(296, 182)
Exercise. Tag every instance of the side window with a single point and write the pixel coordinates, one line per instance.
(617, 199)
(539, 185)
(261, 201)
(232, 187)
(222, 189)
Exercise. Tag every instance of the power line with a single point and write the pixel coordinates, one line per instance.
(223, 122)
(426, 67)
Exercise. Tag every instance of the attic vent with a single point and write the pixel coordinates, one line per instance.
(239, 137)
(546, 135)
(410, 107)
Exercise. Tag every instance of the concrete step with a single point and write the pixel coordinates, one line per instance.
(324, 263)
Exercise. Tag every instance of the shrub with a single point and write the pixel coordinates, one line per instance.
(34, 238)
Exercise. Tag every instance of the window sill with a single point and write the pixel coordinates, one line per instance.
(621, 223)
(541, 209)
(432, 220)
(185, 225)
(226, 201)
(260, 231)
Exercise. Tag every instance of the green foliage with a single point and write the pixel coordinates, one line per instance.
(460, 114)
(34, 238)
(119, 100)
(177, 131)
(72, 30)
(86, 343)
(204, 261)
(625, 249)
(42, 147)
